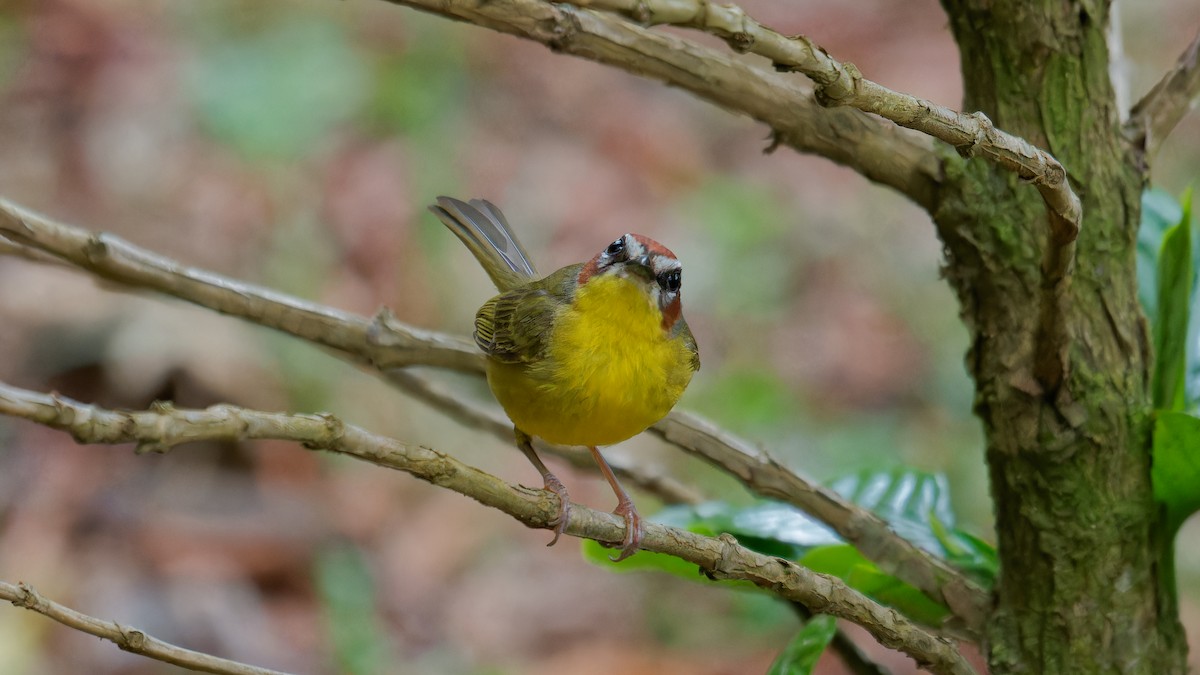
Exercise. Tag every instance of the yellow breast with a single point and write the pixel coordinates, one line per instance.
(611, 370)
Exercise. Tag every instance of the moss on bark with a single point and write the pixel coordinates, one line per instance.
(1069, 467)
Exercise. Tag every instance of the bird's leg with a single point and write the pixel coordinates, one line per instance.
(550, 482)
(625, 509)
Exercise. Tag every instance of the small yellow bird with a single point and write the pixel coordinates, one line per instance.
(589, 355)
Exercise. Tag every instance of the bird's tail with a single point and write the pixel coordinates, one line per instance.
(483, 228)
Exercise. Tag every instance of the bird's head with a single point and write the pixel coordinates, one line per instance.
(646, 262)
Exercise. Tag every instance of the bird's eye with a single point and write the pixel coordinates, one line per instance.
(670, 281)
(616, 249)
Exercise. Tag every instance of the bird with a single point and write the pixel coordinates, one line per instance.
(590, 355)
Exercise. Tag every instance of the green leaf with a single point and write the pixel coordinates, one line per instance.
(1160, 212)
(1176, 280)
(908, 500)
(845, 562)
(1176, 468)
(800, 655)
(916, 505)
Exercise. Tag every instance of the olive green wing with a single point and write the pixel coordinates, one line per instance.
(513, 327)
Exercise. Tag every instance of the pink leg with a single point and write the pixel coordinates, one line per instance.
(625, 509)
(550, 482)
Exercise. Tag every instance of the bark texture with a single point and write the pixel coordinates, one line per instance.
(1068, 456)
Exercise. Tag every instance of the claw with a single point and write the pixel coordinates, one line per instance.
(564, 506)
(633, 530)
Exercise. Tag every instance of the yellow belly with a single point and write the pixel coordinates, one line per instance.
(611, 370)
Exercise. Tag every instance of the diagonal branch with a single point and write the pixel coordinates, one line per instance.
(879, 151)
(382, 342)
(759, 472)
(1152, 118)
(573, 29)
(126, 637)
(841, 84)
(163, 427)
(144, 270)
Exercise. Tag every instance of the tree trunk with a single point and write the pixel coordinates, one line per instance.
(1080, 590)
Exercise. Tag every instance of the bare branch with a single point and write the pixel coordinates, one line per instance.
(164, 427)
(126, 637)
(879, 151)
(738, 87)
(841, 84)
(382, 342)
(1152, 118)
(764, 476)
(858, 526)
(757, 471)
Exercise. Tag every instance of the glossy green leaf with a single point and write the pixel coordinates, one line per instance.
(916, 504)
(800, 655)
(907, 499)
(845, 562)
(1176, 468)
(1176, 281)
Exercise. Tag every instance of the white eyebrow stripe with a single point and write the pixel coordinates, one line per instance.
(633, 247)
(663, 263)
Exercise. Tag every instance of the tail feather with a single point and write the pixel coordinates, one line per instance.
(485, 231)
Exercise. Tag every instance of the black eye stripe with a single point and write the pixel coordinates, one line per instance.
(670, 280)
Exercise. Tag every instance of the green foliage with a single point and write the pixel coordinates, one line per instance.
(800, 655)
(1167, 262)
(267, 98)
(916, 505)
(347, 591)
(1160, 212)
(1176, 470)
(1176, 286)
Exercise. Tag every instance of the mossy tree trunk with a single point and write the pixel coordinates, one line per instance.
(1069, 461)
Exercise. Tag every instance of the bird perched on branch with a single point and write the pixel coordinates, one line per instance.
(590, 355)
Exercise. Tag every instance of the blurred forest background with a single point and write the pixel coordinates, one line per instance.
(296, 144)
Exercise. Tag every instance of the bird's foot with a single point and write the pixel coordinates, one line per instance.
(633, 530)
(564, 506)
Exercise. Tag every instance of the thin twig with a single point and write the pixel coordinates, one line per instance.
(841, 84)
(126, 637)
(164, 427)
(879, 151)
(757, 471)
(1152, 118)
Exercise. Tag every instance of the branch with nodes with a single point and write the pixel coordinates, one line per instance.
(841, 84)
(112, 258)
(163, 427)
(764, 476)
(881, 152)
(126, 637)
(373, 342)
(575, 29)
(1152, 118)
